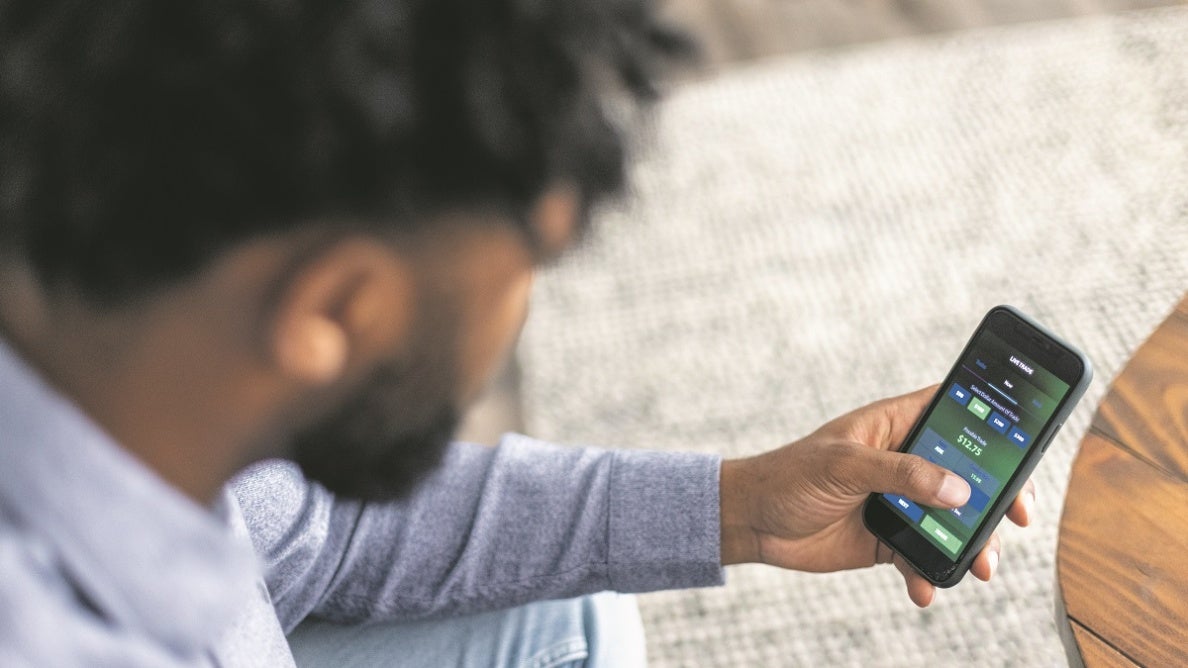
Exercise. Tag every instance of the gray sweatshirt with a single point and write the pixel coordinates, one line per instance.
(105, 564)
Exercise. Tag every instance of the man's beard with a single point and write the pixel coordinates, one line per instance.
(391, 431)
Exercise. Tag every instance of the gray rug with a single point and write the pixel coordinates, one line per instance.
(812, 233)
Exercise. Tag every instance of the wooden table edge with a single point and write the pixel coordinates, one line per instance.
(1064, 622)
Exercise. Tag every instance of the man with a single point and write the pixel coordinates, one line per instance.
(303, 234)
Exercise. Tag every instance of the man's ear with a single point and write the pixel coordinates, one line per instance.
(347, 305)
(555, 216)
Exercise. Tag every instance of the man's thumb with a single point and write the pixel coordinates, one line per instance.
(918, 479)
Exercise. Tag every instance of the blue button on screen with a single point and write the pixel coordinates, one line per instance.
(906, 507)
(959, 394)
(1019, 438)
(998, 423)
(967, 515)
(977, 499)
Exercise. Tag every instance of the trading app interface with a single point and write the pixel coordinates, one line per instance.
(994, 407)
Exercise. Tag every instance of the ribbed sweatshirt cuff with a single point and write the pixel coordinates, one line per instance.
(664, 528)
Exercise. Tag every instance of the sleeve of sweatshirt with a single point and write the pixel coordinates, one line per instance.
(490, 528)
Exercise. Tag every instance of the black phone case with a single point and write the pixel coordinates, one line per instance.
(953, 575)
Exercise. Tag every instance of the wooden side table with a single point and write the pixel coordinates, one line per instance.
(1122, 560)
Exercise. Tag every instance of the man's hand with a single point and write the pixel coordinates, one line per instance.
(800, 507)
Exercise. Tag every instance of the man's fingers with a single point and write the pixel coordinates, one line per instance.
(919, 590)
(1023, 507)
(913, 477)
(986, 563)
(884, 424)
(902, 412)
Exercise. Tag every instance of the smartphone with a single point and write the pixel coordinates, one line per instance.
(991, 421)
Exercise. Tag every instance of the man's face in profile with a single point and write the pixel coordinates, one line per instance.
(394, 427)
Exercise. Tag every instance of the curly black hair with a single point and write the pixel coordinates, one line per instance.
(139, 138)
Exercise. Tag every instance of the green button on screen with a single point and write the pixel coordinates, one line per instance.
(978, 408)
(941, 534)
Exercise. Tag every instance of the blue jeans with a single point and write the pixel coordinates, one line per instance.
(599, 630)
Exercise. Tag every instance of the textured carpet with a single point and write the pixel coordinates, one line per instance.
(812, 233)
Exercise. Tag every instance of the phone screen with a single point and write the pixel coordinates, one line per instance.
(994, 405)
